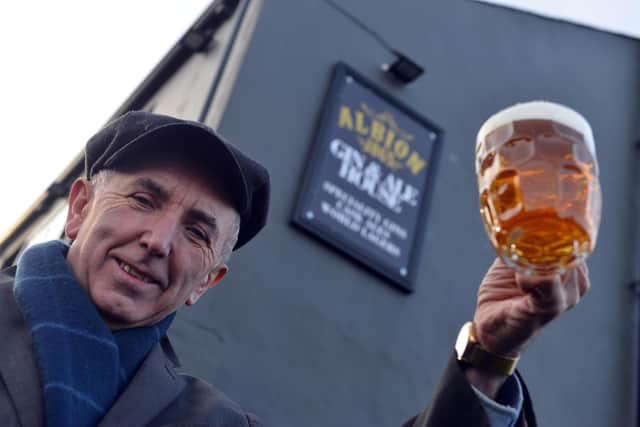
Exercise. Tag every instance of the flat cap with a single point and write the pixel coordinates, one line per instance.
(245, 181)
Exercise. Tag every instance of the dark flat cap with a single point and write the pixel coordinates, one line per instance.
(243, 180)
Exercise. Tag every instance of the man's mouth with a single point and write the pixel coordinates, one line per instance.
(135, 273)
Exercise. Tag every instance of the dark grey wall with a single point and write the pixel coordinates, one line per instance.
(302, 335)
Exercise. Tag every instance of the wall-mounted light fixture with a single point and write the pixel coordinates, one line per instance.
(403, 69)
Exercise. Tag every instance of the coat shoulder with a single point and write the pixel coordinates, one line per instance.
(7, 275)
(200, 403)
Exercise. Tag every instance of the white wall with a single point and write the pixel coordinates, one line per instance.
(66, 67)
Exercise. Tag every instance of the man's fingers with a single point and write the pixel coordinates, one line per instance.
(582, 278)
(572, 288)
(577, 284)
(512, 307)
(539, 286)
(552, 295)
(498, 271)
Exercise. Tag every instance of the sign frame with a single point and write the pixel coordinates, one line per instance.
(304, 217)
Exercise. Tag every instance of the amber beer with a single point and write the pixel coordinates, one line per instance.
(540, 197)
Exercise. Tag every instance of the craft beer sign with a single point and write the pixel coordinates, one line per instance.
(366, 186)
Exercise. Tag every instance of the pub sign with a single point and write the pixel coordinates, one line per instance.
(366, 187)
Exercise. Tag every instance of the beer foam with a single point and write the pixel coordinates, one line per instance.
(540, 110)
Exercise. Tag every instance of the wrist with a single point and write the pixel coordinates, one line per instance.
(486, 382)
(471, 352)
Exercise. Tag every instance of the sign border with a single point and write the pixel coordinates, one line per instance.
(405, 282)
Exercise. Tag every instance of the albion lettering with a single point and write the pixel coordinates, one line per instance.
(379, 136)
(367, 175)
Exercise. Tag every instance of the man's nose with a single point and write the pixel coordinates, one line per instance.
(159, 235)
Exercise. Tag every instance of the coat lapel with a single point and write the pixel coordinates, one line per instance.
(155, 386)
(18, 367)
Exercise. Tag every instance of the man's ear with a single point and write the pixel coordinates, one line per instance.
(79, 197)
(213, 278)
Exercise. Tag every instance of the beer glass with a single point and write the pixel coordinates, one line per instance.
(540, 197)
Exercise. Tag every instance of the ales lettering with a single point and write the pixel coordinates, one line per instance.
(368, 176)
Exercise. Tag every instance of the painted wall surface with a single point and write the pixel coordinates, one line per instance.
(302, 335)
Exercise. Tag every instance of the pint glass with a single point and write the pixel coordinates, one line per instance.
(540, 197)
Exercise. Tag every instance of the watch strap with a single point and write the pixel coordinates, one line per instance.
(469, 351)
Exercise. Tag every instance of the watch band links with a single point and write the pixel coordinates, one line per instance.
(469, 351)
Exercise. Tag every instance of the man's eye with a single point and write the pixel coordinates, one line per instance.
(142, 200)
(198, 233)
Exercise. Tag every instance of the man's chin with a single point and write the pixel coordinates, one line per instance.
(119, 319)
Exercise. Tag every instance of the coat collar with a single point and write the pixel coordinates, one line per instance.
(154, 387)
(18, 367)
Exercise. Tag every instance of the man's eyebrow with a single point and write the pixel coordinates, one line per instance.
(153, 187)
(195, 215)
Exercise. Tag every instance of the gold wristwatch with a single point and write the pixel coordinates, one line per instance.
(469, 351)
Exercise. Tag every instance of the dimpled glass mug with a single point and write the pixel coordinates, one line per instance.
(540, 197)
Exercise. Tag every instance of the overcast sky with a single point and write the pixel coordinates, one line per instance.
(67, 65)
(617, 16)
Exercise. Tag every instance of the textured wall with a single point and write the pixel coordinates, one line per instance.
(302, 335)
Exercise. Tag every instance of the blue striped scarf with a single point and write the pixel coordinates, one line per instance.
(83, 365)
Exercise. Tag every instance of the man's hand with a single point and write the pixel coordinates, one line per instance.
(513, 307)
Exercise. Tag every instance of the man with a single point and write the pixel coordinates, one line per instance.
(152, 224)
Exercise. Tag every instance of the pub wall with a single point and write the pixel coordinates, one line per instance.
(301, 334)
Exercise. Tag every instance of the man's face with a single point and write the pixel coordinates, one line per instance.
(146, 242)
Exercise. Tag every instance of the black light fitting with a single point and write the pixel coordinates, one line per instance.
(403, 69)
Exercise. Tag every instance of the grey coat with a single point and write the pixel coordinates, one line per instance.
(160, 396)
(157, 396)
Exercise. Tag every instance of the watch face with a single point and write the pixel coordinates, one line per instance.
(463, 339)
